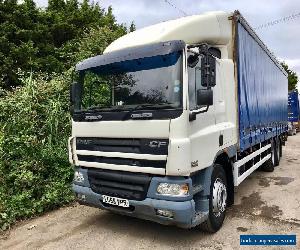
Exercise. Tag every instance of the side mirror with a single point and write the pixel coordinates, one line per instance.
(208, 73)
(72, 92)
(192, 60)
(205, 97)
(215, 52)
(75, 95)
(72, 97)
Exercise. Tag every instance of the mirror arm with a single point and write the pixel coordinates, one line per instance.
(203, 49)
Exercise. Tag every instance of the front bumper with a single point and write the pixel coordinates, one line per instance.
(183, 211)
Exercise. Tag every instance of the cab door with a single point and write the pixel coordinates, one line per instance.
(203, 132)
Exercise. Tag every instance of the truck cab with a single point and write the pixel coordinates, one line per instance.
(155, 124)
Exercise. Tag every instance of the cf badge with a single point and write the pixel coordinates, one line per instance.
(157, 144)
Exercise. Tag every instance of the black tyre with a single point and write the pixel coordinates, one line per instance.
(277, 151)
(217, 200)
(280, 148)
(269, 165)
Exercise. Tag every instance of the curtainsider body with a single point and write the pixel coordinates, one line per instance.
(262, 90)
(172, 117)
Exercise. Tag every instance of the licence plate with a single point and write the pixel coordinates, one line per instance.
(115, 201)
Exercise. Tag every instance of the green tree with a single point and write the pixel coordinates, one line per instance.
(45, 40)
(292, 76)
(132, 27)
(56, 5)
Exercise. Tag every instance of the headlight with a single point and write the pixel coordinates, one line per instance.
(173, 189)
(78, 177)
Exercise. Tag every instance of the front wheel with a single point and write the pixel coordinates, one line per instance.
(217, 200)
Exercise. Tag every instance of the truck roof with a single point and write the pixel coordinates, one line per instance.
(210, 27)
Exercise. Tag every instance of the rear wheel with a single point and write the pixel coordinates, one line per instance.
(268, 166)
(277, 151)
(217, 200)
(280, 148)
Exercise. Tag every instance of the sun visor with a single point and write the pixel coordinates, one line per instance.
(148, 50)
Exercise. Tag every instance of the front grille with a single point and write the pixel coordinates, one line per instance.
(124, 145)
(132, 186)
(123, 161)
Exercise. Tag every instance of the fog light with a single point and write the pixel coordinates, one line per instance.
(78, 177)
(81, 197)
(173, 189)
(164, 213)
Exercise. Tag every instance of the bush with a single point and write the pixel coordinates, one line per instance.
(35, 174)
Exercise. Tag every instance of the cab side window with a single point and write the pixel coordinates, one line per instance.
(194, 75)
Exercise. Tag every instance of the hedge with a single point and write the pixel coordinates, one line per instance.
(35, 174)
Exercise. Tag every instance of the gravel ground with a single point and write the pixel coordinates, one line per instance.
(266, 203)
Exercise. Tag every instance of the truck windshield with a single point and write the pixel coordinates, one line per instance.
(146, 83)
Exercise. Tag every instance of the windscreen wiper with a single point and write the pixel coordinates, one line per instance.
(147, 106)
(112, 108)
(155, 106)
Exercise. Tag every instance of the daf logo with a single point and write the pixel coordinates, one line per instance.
(84, 141)
(157, 144)
(141, 115)
(93, 117)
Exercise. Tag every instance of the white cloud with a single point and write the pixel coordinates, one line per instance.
(293, 62)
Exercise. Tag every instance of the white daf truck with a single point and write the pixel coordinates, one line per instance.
(172, 117)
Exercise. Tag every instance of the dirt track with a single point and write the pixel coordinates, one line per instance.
(266, 203)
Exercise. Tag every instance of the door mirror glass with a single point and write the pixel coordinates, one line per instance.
(75, 95)
(204, 97)
(72, 92)
(208, 64)
(215, 52)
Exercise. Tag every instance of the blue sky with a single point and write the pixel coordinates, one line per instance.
(282, 39)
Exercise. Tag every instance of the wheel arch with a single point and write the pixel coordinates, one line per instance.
(223, 159)
(203, 176)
